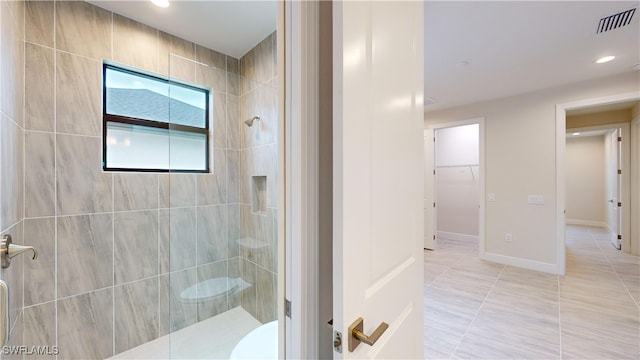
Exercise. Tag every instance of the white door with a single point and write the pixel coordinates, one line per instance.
(378, 176)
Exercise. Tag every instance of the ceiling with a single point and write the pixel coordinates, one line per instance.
(230, 27)
(510, 47)
(514, 47)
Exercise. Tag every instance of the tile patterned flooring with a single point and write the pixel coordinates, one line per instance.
(482, 310)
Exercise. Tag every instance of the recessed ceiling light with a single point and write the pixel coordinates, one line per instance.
(575, 134)
(161, 3)
(605, 59)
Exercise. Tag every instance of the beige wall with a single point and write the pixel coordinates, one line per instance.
(585, 177)
(520, 160)
(635, 179)
(601, 118)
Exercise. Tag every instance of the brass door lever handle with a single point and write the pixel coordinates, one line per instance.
(357, 335)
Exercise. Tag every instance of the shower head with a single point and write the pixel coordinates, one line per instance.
(250, 121)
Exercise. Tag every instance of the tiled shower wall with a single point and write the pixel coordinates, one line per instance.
(258, 196)
(116, 249)
(12, 131)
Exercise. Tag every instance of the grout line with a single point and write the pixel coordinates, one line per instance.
(559, 317)
(158, 237)
(610, 263)
(113, 258)
(478, 311)
(55, 172)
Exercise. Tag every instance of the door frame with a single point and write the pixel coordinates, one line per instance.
(430, 191)
(561, 122)
(626, 183)
(299, 179)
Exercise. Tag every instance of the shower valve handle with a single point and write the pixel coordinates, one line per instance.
(9, 250)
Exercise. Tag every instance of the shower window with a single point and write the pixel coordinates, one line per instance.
(153, 124)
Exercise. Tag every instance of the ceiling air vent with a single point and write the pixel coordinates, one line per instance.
(615, 21)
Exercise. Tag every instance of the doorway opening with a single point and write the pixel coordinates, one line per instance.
(614, 119)
(454, 216)
(597, 174)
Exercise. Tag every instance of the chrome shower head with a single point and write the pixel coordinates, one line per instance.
(250, 121)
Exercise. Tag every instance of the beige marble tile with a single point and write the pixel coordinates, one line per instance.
(135, 44)
(527, 314)
(219, 120)
(622, 324)
(39, 329)
(601, 293)
(432, 272)
(13, 62)
(579, 344)
(39, 22)
(211, 57)
(86, 337)
(12, 184)
(211, 78)
(476, 346)
(136, 245)
(39, 88)
(39, 174)
(233, 65)
(180, 48)
(82, 187)
(83, 29)
(464, 282)
(78, 95)
(136, 314)
(454, 302)
(41, 274)
(84, 253)
(134, 191)
(234, 123)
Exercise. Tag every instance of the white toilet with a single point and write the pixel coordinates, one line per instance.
(260, 343)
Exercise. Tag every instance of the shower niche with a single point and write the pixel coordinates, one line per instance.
(259, 195)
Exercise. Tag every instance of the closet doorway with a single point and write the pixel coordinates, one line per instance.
(457, 185)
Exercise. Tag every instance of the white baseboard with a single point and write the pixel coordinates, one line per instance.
(521, 263)
(457, 237)
(600, 224)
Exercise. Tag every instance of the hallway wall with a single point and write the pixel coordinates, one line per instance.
(586, 191)
(521, 157)
(635, 179)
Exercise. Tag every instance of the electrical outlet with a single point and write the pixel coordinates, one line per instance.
(508, 237)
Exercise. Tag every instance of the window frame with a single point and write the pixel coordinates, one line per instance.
(106, 118)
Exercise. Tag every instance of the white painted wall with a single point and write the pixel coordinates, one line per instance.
(520, 155)
(585, 169)
(457, 181)
(635, 180)
(458, 145)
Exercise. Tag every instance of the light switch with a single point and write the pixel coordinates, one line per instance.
(491, 196)
(536, 200)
